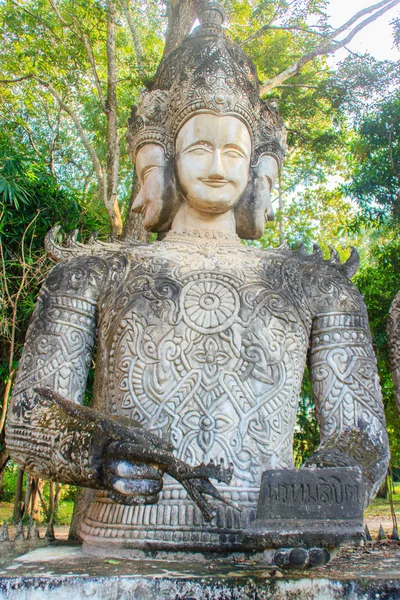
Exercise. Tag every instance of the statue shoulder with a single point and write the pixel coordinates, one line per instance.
(71, 248)
(323, 284)
(327, 284)
(87, 268)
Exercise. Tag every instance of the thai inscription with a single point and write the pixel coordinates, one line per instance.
(330, 493)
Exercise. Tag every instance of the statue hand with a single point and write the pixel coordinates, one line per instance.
(131, 482)
(329, 458)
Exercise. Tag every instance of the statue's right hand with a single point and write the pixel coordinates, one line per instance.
(131, 482)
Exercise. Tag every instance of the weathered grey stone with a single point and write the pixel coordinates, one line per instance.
(308, 507)
(381, 533)
(393, 331)
(67, 573)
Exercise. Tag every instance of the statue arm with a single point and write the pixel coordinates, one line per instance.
(346, 386)
(57, 356)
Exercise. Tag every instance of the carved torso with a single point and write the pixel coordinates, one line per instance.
(204, 342)
(205, 345)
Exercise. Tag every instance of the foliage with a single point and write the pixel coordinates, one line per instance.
(375, 162)
(31, 202)
(306, 433)
(378, 281)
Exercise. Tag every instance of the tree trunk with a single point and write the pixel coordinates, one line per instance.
(35, 501)
(383, 490)
(113, 149)
(57, 497)
(181, 16)
(25, 510)
(133, 226)
(83, 500)
(17, 514)
(51, 502)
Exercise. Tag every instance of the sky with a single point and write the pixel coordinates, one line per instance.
(376, 38)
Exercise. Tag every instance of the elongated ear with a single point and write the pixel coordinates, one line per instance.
(244, 211)
(254, 208)
(171, 198)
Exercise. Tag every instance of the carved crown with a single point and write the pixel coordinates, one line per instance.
(148, 123)
(209, 73)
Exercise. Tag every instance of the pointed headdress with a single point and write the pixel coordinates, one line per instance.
(207, 73)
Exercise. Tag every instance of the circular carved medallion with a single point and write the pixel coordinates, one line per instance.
(209, 305)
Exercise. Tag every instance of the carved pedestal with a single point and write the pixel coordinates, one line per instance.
(309, 508)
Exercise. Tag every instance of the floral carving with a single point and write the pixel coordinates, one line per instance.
(211, 357)
(209, 306)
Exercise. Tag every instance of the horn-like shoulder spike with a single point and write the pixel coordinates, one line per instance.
(352, 264)
(334, 255)
(317, 252)
(57, 252)
(72, 238)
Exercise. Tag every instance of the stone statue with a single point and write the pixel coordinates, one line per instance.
(200, 339)
(394, 345)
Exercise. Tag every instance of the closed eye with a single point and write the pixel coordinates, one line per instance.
(199, 148)
(234, 151)
(146, 170)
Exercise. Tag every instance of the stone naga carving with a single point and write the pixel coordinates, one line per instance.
(393, 331)
(199, 339)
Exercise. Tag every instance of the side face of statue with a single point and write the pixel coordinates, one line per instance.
(201, 339)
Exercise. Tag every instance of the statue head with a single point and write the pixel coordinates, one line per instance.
(227, 144)
(150, 149)
(212, 159)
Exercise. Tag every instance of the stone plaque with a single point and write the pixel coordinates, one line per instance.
(308, 507)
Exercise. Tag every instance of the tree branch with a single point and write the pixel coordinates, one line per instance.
(330, 45)
(88, 48)
(181, 16)
(30, 136)
(89, 51)
(265, 28)
(59, 15)
(16, 80)
(134, 33)
(31, 14)
(88, 146)
(113, 150)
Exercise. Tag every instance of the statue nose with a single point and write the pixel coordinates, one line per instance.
(216, 168)
(138, 202)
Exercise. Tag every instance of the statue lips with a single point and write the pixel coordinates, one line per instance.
(216, 183)
(142, 446)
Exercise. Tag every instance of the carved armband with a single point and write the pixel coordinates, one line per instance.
(347, 393)
(57, 356)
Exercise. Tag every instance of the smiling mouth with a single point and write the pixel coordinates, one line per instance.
(216, 183)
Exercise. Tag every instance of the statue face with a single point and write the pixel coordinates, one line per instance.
(213, 157)
(157, 199)
(254, 208)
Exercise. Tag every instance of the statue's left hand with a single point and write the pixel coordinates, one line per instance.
(131, 482)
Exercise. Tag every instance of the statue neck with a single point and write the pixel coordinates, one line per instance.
(189, 218)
